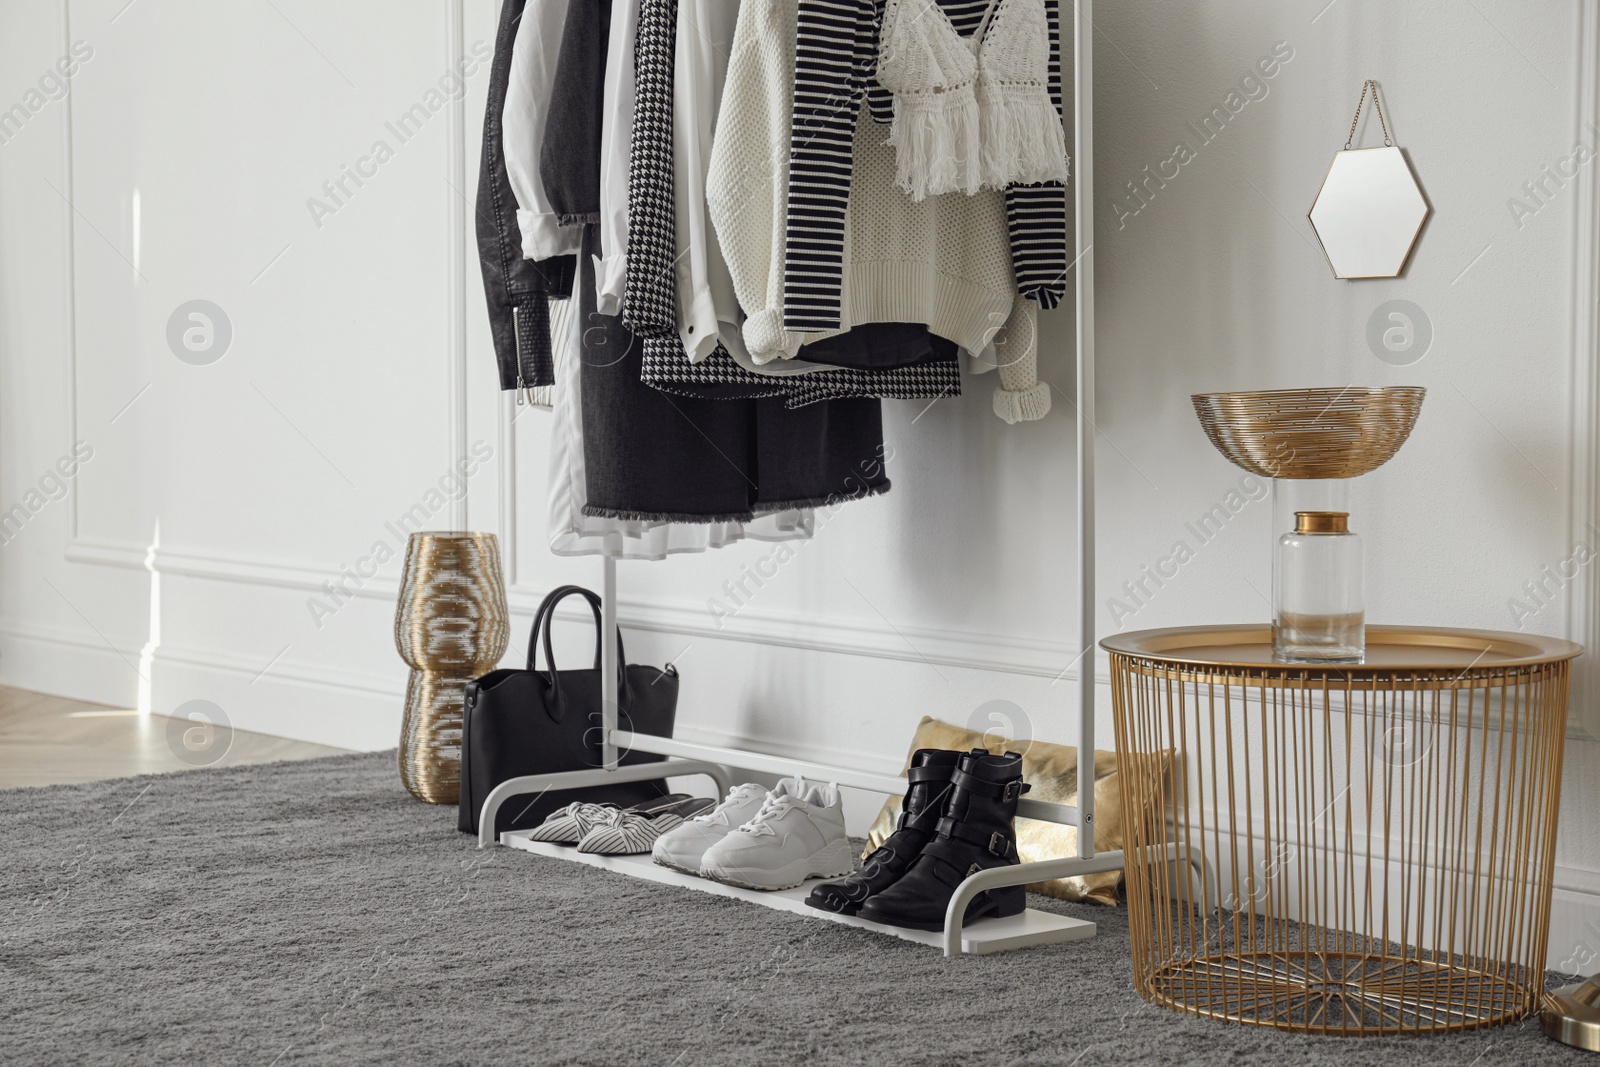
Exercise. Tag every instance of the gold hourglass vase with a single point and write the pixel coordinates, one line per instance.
(451, 625)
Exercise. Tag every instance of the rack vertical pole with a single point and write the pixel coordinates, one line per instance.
(608, 663)
(1083, 218)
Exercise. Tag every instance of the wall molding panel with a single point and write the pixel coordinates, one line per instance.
(944, 647)
(1583, 605)
(458, 212)
(69, 275)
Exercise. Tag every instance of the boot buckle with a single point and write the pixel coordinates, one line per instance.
(974, 869)
(1013, 791)
(997, 844)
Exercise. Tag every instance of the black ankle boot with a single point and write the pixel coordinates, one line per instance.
(976, 833)
(926, 799)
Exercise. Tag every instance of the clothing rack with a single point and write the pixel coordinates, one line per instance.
(685, 758)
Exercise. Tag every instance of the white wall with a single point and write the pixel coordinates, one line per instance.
(1215, 282)
(186, 559)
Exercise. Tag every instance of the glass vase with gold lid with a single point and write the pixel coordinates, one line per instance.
(1319, 600)
(1311, 444)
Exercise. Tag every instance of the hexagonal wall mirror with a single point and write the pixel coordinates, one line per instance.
(1368, 213)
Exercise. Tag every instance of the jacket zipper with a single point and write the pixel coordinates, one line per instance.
(516, 341)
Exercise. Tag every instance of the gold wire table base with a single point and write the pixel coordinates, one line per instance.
(1336, 993)
(1382, 834)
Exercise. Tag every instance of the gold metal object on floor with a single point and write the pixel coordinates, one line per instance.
(1338, 432)
(1382, 835)
(1052, 773)
(451, 625)
(1571, 1014)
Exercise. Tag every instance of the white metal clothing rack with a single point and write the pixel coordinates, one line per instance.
(684, 758)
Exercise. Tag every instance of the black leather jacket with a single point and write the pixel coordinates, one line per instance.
(517, 289)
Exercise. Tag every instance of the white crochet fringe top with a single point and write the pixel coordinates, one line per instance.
(973, 112)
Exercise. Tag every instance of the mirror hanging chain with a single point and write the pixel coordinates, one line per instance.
(1373, 85)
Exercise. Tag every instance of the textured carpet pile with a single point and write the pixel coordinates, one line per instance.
(312, 912)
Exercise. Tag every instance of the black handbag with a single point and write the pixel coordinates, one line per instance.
(530, 721)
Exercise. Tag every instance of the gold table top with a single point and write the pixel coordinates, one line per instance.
(1395, 650)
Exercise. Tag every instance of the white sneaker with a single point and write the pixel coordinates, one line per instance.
(797, 834)
(682, 848)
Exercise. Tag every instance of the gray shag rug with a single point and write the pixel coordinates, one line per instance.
(312, 912)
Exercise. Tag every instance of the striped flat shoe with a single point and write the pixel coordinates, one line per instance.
(566, 826)
(628, 832)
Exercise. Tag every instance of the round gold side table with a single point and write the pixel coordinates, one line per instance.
(1382, 835)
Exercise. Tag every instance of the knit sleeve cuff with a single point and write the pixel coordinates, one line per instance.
(765, 337)
(543, 236)
(1048, 297)
(542, 396)
(1023, 405)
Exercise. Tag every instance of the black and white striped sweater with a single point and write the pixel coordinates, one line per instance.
(835, 63)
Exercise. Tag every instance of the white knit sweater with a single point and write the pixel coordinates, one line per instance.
(944, 261)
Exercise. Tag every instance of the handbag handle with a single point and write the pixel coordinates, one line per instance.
(542, 617)
(544, 620)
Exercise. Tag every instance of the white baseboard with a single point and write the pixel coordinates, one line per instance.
(301, 701)
(64, 662)
(276, 703)
(1575, 921)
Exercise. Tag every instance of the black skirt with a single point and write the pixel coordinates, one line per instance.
(650, 455)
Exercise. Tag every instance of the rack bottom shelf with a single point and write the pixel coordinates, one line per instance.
(984, 936)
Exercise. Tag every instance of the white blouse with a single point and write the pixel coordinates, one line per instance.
(527, 108)
(616, 142)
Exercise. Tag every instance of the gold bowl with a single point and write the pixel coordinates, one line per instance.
(1336, 432)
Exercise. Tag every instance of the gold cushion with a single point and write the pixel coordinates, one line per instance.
(1052, 770)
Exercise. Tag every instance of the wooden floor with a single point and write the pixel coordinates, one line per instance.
(46, 740)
